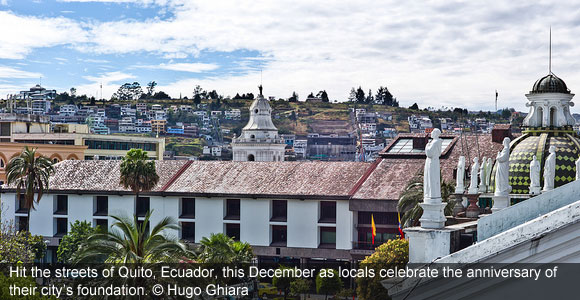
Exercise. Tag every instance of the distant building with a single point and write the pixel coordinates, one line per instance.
(158, 126)
(259, 140)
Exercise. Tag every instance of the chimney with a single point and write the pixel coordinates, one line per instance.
(501, 131)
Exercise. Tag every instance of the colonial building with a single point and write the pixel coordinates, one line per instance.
(259, 140)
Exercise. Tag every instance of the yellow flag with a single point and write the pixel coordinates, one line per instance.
(373, 227)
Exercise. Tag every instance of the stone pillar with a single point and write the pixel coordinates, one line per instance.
(472, 211)
(500, 202)
(458, 207)
(433, 215)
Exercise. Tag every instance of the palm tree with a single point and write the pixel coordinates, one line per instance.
(412, 195)
(129, 241)
(220, 248)
(138, 173)
(29, 172)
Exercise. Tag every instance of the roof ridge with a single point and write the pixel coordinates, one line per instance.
(365, 176)
(177, 175)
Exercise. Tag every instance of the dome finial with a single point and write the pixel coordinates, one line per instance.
(260, 88)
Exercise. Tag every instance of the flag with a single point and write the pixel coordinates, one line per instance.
(400, 229)
(374, 228)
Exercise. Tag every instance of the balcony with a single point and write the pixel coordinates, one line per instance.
(252, 141)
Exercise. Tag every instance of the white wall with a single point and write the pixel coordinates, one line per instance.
(302, 224)
(209, 216)
(255, 221)
(344, 225)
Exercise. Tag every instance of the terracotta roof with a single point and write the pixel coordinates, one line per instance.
(392, 175)
(99, 175)
(305, 178)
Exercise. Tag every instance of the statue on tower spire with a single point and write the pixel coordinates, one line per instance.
(260, 88)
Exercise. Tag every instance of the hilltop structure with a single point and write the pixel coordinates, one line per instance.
(259, 140)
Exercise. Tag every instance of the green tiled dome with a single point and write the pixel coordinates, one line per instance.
(537, 143)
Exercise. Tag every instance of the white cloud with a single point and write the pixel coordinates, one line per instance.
(8, 72)
(433, 53)
(21, 34)
(184, 67)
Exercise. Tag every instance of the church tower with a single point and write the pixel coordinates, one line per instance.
(259, 140)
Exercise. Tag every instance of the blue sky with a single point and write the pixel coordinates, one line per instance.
(435, 53)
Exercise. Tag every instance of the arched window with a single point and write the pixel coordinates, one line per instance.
(2, 164)
(540, 116)
(251, 157)
(553, 116)
(55, 160)
(252, 136)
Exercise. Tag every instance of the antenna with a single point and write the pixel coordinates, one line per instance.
(550, 60)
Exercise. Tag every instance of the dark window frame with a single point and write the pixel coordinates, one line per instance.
(326, 245)
(279, 211)
(142, 206)
(236, 228)
(327, 212)
(61, 205)
(59, 230)
(233, 210)
(279, 235)
(187, 208)
(100, 208)
(187, 232)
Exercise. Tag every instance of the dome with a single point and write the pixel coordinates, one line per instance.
(260, 116)
(550, 84)
(524, 148)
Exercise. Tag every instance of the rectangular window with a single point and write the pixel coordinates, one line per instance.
(102, 224)
(327, 212)
(5, 129)
(21, 223)
(61, 227)
(232, 209)
(233, 231)
(187, 208)
(61, 205)
(279, 236)
(142, 206)
(279, 210)
(381, 218)
(21, 205)
(188, 231)
(328, 237)
(101, 206)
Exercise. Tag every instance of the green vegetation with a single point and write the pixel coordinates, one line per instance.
(19, 246)
(182, 146)
(220, 248)
(130, 241)
(29, 172)
(7, 281)
(328, 282)
(409, 201)
(74, 240)
(394, 253)
(137, 172)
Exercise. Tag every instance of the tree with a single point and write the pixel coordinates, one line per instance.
(74, 240)
(328, 282)
(409, 201)
(220, 248)
(360, 95)
(129, 91)
(284, 284)
(369, 99)
(299, 286)
(414, 106)
(385, 97)
(352, 95)
(19, 246)
(73, 92)
(8, 281)
(129, 241)
(137, 172)
(311, 95)
(151, 88)
(29, 172)
(293, 98)
(392, 254)
(161, 95)
(323, 95)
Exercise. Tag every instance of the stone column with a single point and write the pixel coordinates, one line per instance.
(472, 211)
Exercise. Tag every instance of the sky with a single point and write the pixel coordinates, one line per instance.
(435, 53)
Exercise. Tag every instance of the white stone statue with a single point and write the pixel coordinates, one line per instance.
(534, 176)
(474, 170)
(550, 169)
(578, 169)
(482, 176)
(502, 182)
(432, 171)
(460, 181)
(488, 170)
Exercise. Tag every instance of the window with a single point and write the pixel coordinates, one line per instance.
(188, 231)
(5, 129)
(327, 212)
(140, 224)
(279, 236)
(21, 223)
(233, 231)
(2, 164)
(101, 206)
(21, 205)
(327, 237)
(232, 209)
(102, 224)
(381, 218)
(187, 208)
(61, 225)
(142, 206)
(61, 205)
(279, 210)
